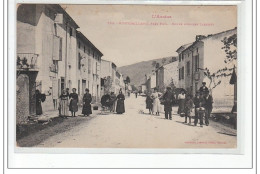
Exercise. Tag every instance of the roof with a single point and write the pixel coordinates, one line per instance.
(59, 9)
(85, 39)
(185, 47)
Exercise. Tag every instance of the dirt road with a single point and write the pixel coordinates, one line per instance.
(135, 129)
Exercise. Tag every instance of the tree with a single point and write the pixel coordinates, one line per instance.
(230, 47)
(164, 60)
(107, 84)
(157, 65)
(127, 80)
(154, 63)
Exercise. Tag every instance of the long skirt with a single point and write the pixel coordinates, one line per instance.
(73, 105)
(156, 105)
(86, 110)
(64, 107)
(149, 105)
(181, 106)
(120, 107)
(38, 108)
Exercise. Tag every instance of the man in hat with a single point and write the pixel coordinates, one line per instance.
(168, 99)
(203, 88)
(208, 106)
(196, 101)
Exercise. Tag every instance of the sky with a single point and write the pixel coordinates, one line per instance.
(127, 34)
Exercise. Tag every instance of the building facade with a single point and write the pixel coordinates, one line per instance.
(206, 55)
(50, 33)
(88, 67)
(109, 71)
(167, 75)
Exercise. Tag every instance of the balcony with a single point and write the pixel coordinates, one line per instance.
(27, 62)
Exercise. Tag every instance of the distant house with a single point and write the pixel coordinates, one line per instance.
(206, 53)
(109, 69)
(167, 74)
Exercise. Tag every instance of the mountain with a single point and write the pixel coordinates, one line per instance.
(137, 71)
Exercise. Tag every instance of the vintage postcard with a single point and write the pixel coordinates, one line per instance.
(126, 76)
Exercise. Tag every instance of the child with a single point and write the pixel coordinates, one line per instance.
(188, 108)
(201, 109)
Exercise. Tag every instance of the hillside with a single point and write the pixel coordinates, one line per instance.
(137, 71)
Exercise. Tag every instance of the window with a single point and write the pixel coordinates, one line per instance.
(188, 67)
(79, 60)
(179, 74)
(79, 87)
(62, 83)
(197, 50)
(182, 56)
(84, 49)
(89, 65)
(96, 68)
(70, 31)
(182, 72)
(196, 86)
(179, 57)
(197, 63)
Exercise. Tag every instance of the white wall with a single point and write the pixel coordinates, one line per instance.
(214, 57)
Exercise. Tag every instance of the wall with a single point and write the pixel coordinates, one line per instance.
(22, 98)
(171, 73)
(223, 94)
(160, 80)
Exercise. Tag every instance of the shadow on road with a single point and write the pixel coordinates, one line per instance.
(227, 134)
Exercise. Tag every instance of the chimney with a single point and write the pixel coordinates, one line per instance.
(200, 37)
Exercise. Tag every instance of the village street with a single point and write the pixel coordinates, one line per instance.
(135, 129)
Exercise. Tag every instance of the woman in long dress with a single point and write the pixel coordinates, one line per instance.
(120, 107)
(87, 98)
(64, 103)
(73, 102)
(156, 102)
(181, 98)
(38, 97)
(149, 102)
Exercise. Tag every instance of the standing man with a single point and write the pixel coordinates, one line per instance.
(203, 88)
(208, 106)
(168, 99)
(113, 102)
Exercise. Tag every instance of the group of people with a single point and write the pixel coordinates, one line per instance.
(69, 102)
(113, 102)
(202, 102)
(153, 102)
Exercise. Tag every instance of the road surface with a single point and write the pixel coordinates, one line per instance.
(137, 129)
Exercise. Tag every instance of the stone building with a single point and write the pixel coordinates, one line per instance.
(88, 67)
(167, 74)
(206, 54)
(109, 70)
(47, 30)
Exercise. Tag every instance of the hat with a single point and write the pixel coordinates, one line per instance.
(203, 82)
(168, 87)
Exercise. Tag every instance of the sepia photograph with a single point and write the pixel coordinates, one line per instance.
(126, 76)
